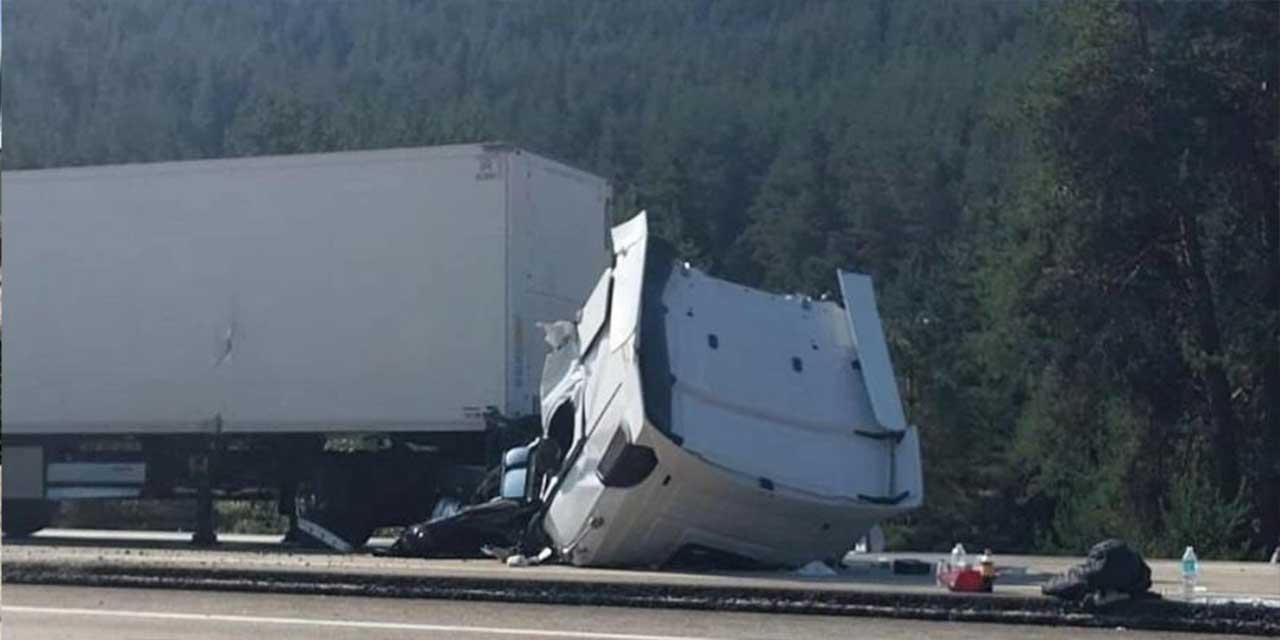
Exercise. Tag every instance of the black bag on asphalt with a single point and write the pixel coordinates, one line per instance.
(499, 522)
(1110, 566)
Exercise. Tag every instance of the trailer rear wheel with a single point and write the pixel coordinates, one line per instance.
(21, 518)
(333, 510)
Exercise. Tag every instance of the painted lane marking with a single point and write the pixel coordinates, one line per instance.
(352, 624)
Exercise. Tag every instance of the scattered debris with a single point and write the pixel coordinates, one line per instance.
(959, 574)
(497, 553)
(987, 567)
(1249, 601)
(497, 524)
(816, 569)
(962, 578)
(1112, 571)
(872, 542)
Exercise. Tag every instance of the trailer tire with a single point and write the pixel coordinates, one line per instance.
(333, 511)
(21, 518)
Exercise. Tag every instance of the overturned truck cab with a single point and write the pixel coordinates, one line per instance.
(696, 416)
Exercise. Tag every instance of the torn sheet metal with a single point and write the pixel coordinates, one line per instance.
(501, 519)
(710, 416)
(499, 523)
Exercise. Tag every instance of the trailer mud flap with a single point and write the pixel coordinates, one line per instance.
(323, 535)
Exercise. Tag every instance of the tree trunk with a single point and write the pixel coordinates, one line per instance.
(1209, 336)
(1269, 478)
(1269, 461)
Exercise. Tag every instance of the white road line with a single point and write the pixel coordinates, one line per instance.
(353, 624)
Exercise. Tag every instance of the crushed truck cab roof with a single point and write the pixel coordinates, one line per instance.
(702, 416)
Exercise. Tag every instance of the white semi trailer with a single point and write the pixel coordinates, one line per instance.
(351, 332)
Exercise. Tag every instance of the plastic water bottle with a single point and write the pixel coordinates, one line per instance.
(958, 559)
(1190, 571)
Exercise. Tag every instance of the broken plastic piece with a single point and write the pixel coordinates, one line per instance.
(816, 569)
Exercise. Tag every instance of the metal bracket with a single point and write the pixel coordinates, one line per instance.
(888, 501)
(895, 436)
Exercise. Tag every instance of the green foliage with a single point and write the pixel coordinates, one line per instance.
(141, 514)
(1197, 513)
(232, 516)
(249, 516)
(1090, 477)
(1111, 300)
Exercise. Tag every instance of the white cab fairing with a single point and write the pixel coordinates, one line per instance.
(716, 416)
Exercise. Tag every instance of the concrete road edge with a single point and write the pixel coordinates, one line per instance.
(1157, 615)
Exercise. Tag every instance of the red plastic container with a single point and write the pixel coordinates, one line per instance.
(963, 579)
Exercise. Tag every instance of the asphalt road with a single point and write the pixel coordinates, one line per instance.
(1019, 575)
(46, 613)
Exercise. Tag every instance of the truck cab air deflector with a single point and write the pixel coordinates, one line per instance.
(657, 380)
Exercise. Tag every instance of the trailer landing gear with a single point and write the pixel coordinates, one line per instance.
(204, 535)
